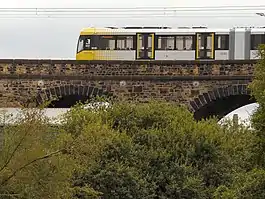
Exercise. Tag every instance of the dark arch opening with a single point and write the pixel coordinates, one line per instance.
(68, 101)
(67, 96)
(223, 106)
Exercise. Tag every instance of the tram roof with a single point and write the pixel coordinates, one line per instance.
(177, 30)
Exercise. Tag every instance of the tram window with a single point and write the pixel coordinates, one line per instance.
(84, 43)
(106, 43)
(188, 43)
(179, 42)
(184, 42)
(124, 42)
(165, 43)
(94, 42)
(80, 46)
(222, 42)
(209, 42)
(256, 40)
(87, 44)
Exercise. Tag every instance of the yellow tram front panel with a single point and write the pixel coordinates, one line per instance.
(94, 54)
(90, 46)
(98, 55)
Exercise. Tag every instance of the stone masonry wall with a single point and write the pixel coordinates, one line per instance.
(24, 80)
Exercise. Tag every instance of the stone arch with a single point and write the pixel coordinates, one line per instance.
(59, 92)
(231, 97)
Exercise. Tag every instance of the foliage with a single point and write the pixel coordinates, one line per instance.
(257, 87)
(157, 150)
(245, 185)
(129, 150)
(39, 161)
(31, 160)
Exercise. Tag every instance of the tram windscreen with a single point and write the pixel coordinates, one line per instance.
(84, 43)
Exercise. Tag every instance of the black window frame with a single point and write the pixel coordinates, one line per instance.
(253, 45)
(175, 47)
(224, 45)
(193, 45)
(95, 41)
(126, 49)
(164, 36)
(101, 39)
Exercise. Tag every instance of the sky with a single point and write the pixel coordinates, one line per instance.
(57, 37)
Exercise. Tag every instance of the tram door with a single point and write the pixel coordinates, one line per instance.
(205, 46)
(145, 46)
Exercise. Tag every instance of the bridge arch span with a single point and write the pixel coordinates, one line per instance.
(65, 96)
(221, 101)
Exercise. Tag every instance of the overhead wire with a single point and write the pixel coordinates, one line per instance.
(48, 10)
(137, 8)
(127, 13)
(136, 12)
(123, 17)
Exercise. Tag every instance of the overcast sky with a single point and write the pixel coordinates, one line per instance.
(57, 37)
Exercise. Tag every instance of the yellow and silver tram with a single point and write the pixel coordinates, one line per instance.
(163, 43)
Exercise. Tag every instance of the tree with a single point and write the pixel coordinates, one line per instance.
(32, 164)
(38, 160)
(91, 135)
(157, 150)
(129, 150)
(245, 185)
(257, 87)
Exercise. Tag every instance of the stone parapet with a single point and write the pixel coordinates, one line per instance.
(135, 68)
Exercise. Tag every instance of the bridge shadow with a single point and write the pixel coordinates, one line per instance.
(67, 96)
(222, 107)
(68, 101)
(221, 101)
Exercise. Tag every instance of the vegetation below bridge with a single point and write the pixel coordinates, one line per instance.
(154, 150)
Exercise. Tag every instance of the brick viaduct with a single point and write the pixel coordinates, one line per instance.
(207, 88)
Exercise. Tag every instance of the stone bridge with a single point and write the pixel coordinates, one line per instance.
(206, 87)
